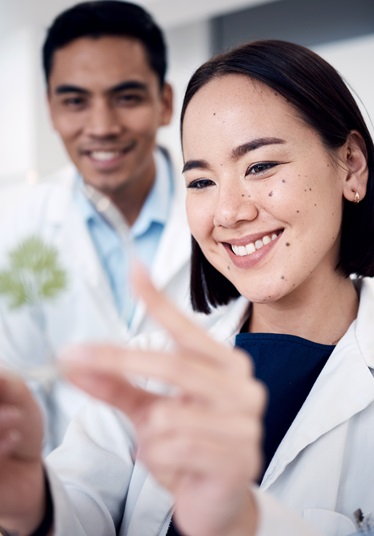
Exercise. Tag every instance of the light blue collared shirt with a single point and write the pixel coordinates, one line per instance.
(146, 234)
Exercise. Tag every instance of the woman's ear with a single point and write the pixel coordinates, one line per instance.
(354, 157)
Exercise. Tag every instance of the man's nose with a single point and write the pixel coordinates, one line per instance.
(102, 121)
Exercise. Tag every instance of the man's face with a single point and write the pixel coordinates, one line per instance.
(105, 102)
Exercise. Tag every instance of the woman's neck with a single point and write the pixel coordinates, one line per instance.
(322, 316)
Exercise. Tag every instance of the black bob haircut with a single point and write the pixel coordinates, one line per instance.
(322, 99)
(106, 18)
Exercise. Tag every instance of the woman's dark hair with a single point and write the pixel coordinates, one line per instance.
(324, 102)
(106, 18)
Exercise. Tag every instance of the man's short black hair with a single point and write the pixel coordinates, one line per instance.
(106, 18)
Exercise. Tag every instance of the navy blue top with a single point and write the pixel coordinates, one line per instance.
(288, 366)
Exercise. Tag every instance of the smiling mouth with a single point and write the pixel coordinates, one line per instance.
(102, 155)
(252, 247)
(105, 156)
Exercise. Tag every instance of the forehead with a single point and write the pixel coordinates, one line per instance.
(105, 60)
(234, 108)
(222, 97)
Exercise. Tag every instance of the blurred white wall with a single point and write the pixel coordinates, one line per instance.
(353, 59)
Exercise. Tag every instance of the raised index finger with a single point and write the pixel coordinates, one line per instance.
(184, 331)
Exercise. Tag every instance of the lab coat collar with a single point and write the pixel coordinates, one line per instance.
(346, 372)
(73, 238)
(174, 250)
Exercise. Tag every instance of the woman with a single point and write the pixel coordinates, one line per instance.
(279, 176)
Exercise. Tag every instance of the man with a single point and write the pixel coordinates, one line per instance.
(105, 65)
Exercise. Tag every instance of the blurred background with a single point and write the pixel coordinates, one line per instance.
(342, 31)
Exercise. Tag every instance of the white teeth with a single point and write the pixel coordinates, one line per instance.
(104, 156)
(248, 249)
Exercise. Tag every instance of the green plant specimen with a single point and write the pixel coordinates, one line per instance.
(33, 274)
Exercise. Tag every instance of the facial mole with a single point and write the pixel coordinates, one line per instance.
(270, 193)
(228, 268)
(288, 244)
(283, 180)
(310, 189)
(282, 276)
(298, 211)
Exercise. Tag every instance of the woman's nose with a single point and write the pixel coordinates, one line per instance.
(234, 205)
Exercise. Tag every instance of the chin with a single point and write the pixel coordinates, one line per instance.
(268, 295)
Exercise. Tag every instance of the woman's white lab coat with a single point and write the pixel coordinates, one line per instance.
(86, 310)
(323, 470)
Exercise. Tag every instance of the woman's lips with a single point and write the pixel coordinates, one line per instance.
(252, 247)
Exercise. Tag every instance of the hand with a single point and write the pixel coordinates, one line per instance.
(202, 443)
(21, 469)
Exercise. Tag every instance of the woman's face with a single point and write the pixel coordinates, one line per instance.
(264, 195)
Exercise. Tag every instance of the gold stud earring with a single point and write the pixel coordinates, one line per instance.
(356, 198)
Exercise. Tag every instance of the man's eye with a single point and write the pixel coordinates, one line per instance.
(129, 99)
(199, 184)
(260, 168)
(73, 102)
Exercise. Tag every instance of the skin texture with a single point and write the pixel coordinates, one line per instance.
(253, 168)
(21, 470)
(106, 104)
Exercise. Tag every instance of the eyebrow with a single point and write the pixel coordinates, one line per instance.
(245, 148)
(122, 86)
(236, 153)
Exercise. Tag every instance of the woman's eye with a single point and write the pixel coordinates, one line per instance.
(199, 184)
(260, 168)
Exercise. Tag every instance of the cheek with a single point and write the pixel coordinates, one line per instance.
(68, 128)
(145, 122)
(199, 218)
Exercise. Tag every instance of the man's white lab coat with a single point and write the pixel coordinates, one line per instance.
(86, 311)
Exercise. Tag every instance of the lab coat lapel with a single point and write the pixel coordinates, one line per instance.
(347, 371)
(175, 246)
(73, 239)
(174, 250)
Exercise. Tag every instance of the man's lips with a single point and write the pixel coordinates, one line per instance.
(104, 154)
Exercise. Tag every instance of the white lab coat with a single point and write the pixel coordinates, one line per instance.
(323, 469)
(86, 311)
